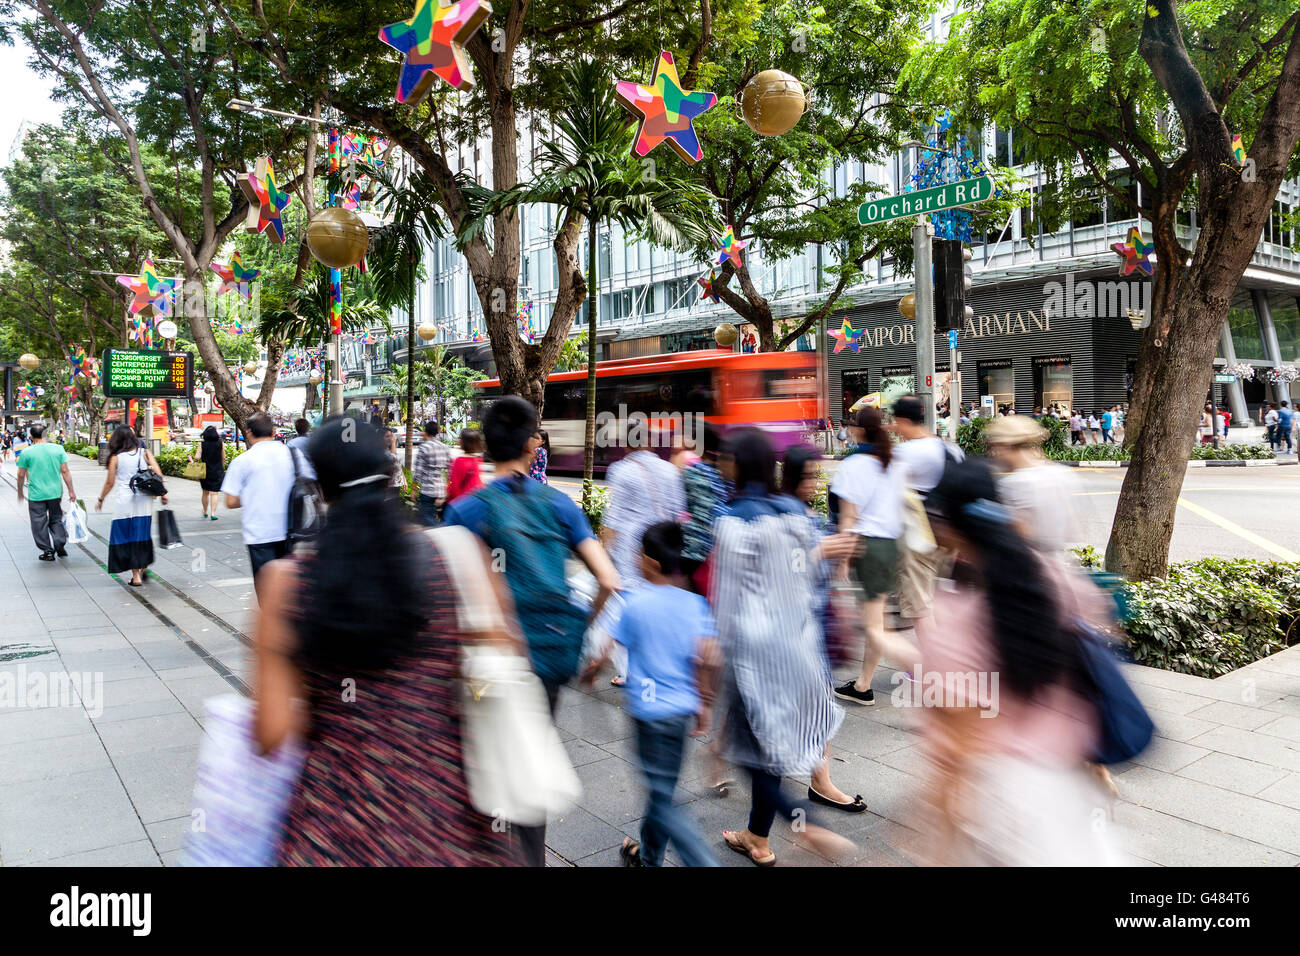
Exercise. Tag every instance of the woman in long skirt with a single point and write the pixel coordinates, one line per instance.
(130, 540)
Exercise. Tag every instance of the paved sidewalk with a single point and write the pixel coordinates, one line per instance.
(1220, 786)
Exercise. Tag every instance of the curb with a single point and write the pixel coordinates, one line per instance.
(1193, 463)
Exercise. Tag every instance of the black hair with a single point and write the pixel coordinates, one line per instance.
(1033, 645)
(910, 408)
(260, 426)
(874, 434)
(122, 439)
(364, 594)
(302, 426)
(545, 436)
(508, 424)
(796, 459)
(431, 428)
(754, 457)
(663, 543)
(37, 432)
(211, 434)
(471, 441)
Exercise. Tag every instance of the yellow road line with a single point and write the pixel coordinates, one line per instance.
(1274, 549)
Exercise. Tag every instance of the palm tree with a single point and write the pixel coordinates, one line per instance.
(409, 203)
(589, 167)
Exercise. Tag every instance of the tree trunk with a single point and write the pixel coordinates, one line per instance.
(593, 308)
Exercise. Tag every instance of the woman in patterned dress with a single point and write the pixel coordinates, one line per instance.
(359, 649)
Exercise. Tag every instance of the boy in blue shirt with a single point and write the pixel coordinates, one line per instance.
(672, 657)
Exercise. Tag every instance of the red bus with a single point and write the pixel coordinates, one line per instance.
(779, 392)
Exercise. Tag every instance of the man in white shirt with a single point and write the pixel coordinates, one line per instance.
(258, 482)
(923, 456)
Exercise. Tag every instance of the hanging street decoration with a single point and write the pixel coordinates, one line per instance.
(352, 196)
(25, 398)
(140, 330)
(772, 102)
(729, 247)
(1238, 149)
(432, 44)
(848, 336)
(234, 277)
(948, 160)
(527, 325)
(706, 288)
(265, 200)
(1135, 253)
(236, 327)
(666, 111)
(152, 295)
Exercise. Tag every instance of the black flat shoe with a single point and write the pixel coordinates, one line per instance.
(857, 806)
(47, 556)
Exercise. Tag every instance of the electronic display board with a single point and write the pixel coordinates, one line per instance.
(147, 373)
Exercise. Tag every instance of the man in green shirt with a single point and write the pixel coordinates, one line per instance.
(42, 465)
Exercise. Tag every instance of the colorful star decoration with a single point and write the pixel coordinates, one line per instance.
(432, 44)
(667, 111)
(706, 288)
(265, 200)
(352, 196)
(1238, 149)
(1135, 253)
(235, 278)
(729, 247)
(847, 335)
(152, 296)
(140, 330)
(236, 327)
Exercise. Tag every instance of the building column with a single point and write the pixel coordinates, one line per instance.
(1236, 397)
(1269, 330)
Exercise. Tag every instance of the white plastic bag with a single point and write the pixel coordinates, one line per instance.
(74, 520)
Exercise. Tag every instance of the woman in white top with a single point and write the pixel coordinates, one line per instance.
(130, 539)
(871, 506)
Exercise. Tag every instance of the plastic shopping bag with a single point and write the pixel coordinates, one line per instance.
(74, 520)
(240, 797)
(169, 534)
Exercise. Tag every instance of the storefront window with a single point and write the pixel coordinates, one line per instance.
(998, 379)
(895, 382)
(1285, 310)
(1053, 382)
(854, 383)
(1247, 340)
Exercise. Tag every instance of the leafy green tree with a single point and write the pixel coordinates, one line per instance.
(1098, 91)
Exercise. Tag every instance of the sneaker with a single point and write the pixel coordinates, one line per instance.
(47, 555)
(61, 552)
(847, 691)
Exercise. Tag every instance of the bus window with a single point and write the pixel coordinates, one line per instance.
(789, 383)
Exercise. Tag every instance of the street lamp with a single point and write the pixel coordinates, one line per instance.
(245, 106)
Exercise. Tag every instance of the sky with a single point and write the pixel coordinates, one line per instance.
(28, 96)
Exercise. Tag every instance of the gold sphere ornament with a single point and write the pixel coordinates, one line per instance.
(28, 361)
(726, 335)
(772, 102)
(907, 306)
(314, 377)
(250, 367)
(337, 237)
(427, 331)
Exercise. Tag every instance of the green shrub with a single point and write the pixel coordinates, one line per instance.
(970, 437)
(1091, 453)
(1232, 452)
(596, 511)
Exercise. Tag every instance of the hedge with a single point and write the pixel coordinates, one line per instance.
(1057, 447)
(1210, 616)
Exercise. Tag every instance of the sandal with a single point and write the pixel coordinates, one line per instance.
(857, 805)
(722, 787)
(739, 847)
(630, 852)
(618, 681)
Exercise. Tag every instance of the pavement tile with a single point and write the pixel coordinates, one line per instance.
(1234, 715)
(1286, 791)
(1287, 727)
(1180, 727)
(136, 853)
(1169, 755)
(33, 760)
(1233, 773)
(1274, 751)
(169, 835)
(611, 790)
(47, 819)
(149, 734)
(160, 783)
(42, 723)
(1169, 840)
(579, 834)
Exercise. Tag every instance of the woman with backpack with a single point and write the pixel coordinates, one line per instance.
(1009, 750)
(130, 537)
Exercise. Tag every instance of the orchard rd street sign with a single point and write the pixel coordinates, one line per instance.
(924, 201)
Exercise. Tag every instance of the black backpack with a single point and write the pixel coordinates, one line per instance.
(306, 506)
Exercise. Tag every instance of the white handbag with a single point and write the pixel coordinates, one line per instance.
(515, 765)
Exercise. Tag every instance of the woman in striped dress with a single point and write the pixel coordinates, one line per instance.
(359, 650)
(130, 538)
(780, 714)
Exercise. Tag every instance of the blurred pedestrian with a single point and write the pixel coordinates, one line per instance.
(429, 471)
(534, 529)
(670, 640)
(130, 537)
(541, 457)
(212, 453)
(1038, 493)
(1076, 428)
(465, 477)
(1270, 419)
(780, 714)
(1285, 419)
(298, 445)
(1010, 741)
(258, 482)
(707, 493)
(43, 469)
(374, 607)
(398, 481)
(870, 493)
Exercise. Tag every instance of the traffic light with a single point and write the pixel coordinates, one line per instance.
(952, 281)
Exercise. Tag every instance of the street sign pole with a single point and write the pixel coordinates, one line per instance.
(954, 387)
(921, 234)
